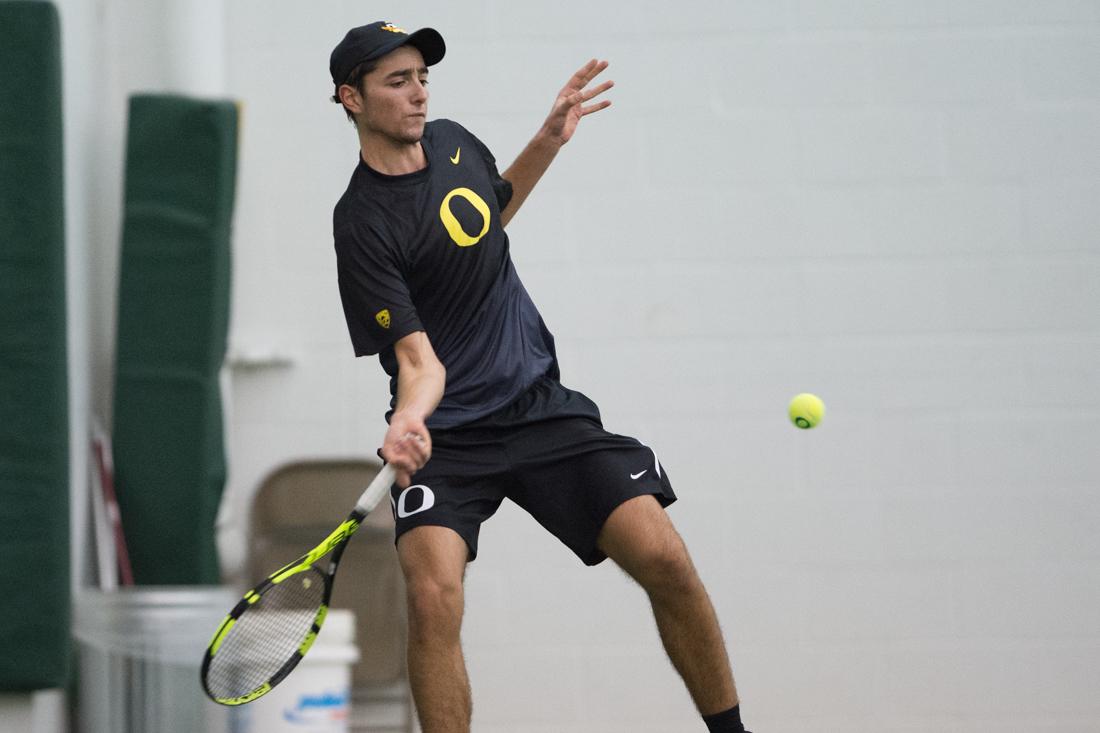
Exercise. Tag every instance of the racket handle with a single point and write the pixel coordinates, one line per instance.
(379, 488)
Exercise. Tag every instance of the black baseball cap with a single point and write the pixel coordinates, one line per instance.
(375, 40)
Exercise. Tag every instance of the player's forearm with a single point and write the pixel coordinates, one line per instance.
(421, 378)
(526, 171)
(419, 390)
(420, 382)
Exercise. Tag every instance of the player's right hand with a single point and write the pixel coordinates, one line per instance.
(407, 447)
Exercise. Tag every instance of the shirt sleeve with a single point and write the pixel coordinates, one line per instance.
(373, 289)
(501, 187)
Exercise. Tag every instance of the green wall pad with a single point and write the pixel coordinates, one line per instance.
(173, 312)
(34, 412)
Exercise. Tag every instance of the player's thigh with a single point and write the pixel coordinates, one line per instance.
(640, 537)
(433, 560)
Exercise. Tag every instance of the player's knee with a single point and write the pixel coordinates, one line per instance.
(434, 604)
(666, 569)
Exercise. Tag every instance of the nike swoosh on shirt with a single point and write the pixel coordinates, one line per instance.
(638, 475)
(454, 158)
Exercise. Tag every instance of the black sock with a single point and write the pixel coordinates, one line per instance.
(728, 721)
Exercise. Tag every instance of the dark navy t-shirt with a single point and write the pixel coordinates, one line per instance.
(426, 252)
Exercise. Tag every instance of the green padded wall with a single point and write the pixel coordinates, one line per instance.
(34, 412)
(173, 311)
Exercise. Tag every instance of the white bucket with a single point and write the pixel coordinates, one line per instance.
(316, 696)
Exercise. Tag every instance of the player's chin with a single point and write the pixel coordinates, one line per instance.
(414, 131)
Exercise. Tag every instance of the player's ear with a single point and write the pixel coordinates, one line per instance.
(351, 98)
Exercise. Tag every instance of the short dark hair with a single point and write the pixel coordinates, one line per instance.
(355, 79)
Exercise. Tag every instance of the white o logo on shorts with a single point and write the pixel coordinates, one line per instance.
(427, 503)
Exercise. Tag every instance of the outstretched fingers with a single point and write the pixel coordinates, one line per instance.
(570, 105)
(585, 95)
(595, 107)
(597, 91)
(587, 73)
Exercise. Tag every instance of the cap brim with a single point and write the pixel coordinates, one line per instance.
(429, 43)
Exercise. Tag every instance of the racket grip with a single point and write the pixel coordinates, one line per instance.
(379, 488)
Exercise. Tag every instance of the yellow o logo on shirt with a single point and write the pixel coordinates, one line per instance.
(460, 237)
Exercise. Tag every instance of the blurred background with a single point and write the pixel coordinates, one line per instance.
(891, 204)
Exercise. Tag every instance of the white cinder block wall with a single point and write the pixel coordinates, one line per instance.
(892, 204)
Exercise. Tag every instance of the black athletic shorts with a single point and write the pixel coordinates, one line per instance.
(548, 452)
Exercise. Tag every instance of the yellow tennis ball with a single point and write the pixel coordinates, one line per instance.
(806, 410)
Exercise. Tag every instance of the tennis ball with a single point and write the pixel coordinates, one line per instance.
(806, 410)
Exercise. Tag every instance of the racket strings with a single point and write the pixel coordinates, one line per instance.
(267, 635)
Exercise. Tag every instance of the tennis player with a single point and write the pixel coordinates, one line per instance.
(478, 413)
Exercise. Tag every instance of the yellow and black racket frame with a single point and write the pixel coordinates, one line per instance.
(334, 544)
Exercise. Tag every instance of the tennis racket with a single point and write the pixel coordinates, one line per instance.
(269, 631)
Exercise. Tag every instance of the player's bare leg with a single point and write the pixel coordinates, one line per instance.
(640, 538)
(433, 560)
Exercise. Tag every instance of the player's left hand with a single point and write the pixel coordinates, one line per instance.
(570, 105)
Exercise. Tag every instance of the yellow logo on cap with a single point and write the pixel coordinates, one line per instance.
(383, 318)
(393, 29)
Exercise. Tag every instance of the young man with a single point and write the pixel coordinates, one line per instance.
(477, 411)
